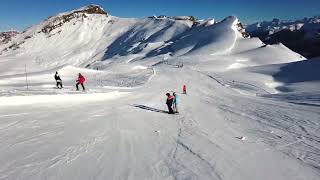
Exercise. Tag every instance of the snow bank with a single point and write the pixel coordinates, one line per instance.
(63, 98)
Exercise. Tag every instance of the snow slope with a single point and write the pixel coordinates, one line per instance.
(116, 139)
(84, 38)
(236, 121)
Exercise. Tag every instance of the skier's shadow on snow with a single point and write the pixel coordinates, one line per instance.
(149, 108)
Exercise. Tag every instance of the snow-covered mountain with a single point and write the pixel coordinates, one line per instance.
(89, 35)
(251, 110)
(302, 36)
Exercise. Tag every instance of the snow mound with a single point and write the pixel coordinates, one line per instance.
(61, 98)
(294, 76)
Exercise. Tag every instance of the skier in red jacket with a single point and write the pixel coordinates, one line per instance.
(169, 103)
(80, 80)
(184, 89)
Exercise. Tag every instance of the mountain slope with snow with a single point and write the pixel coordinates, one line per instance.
(89, 36)
(251, 110)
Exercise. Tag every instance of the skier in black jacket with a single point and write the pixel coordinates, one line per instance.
(169, 103)
(58, 80)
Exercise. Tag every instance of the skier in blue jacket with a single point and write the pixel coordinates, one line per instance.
(175, 102)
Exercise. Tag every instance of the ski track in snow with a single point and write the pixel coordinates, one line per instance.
(184, 131)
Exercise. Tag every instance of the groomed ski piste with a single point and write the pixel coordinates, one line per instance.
(252, 111)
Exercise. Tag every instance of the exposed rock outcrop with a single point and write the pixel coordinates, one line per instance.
(242, 30)
(6, 37)
(58, 21)
(190, 18)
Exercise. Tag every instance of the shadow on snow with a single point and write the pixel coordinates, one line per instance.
(149, 108)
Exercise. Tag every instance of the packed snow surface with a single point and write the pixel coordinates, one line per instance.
(251, 111)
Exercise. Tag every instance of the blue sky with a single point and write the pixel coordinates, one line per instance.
(19, 14)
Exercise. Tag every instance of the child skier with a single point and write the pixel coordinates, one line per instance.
(58, 80)
(175, 102)
(80, 80)
(169, 103)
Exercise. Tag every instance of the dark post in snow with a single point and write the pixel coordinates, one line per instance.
(25, 69)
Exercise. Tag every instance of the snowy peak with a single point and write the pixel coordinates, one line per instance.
(53, 26)
(59, 20)
(91, 9)
(235, 23)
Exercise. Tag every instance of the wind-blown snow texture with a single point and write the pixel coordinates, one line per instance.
(252, 110)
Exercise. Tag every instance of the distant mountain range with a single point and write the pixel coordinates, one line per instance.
(301, 36)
